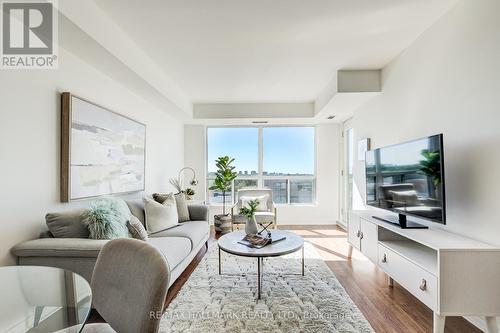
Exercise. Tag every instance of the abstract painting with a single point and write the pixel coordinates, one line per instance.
(102, 152)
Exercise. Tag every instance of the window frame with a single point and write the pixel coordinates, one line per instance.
(260, 177)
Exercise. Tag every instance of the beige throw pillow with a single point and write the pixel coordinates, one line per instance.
(67, 224)
(161, 197)
(182, 207)
(262, 207)
(160, 216)
(136, 229)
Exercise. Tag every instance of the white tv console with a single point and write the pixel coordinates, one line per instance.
(451, 274)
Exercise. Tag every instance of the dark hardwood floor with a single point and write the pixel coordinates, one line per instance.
(387, 309)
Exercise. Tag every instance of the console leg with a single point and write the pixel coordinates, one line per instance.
(349, 252)
(439, 322)
(491, 324)
(390, 281)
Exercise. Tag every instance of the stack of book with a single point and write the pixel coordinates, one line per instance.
(258, 241)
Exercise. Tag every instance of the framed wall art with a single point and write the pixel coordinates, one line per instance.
(102, 152)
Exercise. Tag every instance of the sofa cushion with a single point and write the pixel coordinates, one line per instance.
(136, 228)
(60, 247)
(262, 199)
(137, 209)
(67, 224)
(198, 212)
(161, 197)
(160, 216)
(175, 249)
(260, 217)
(180, 200)
(182, 207)
(195, 231)
(107, 218)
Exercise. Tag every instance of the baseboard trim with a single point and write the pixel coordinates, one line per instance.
(478, 322)
(308, 223)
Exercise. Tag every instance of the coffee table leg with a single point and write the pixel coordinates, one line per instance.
(258, 277)
(219, 260)
(302, 261)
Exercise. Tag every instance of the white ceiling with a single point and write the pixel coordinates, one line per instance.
(269, 50)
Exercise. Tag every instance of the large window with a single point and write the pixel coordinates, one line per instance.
(280, 158)
(241, 143)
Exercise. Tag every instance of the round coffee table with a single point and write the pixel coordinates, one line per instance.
(229, 243)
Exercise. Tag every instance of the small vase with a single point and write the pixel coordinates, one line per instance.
(251, 226)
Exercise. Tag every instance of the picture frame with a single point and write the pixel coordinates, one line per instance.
(102, 152)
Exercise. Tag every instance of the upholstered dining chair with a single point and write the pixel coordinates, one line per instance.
(129, 287)
(266, 211)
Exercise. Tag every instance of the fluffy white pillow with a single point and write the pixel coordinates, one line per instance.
(160, 216)
(262, 207)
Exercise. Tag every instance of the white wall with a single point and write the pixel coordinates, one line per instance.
(327, 159)
(448, 82)
(30, 140)
(194, 157)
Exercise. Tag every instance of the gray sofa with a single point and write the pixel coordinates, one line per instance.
(179, 245)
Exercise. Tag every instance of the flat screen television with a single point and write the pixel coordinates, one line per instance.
(408, 179)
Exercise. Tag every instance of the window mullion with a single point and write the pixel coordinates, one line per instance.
(260, 181)
(288, 190)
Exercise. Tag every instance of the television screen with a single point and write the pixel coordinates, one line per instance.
(408, 178)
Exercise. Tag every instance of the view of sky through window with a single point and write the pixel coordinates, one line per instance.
(288, 151)
(241, 143)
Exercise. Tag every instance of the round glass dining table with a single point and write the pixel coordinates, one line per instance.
(42, 299)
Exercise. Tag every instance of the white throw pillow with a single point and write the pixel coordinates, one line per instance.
(160, 216)
(262, 207)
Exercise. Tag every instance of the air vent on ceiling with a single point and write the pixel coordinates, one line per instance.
(259, 122)
(330, 117)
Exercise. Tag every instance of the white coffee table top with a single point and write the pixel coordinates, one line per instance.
(293, 242)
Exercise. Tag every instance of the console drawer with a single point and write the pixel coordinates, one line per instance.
(411, 276)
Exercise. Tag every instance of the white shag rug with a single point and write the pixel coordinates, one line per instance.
(290, 302)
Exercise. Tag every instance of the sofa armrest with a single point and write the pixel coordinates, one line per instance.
(60, 247)
(198, 212)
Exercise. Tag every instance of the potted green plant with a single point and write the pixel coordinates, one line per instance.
(249, 213)
(189, 192)
(224, 177)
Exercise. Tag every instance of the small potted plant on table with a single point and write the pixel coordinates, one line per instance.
(249, 213)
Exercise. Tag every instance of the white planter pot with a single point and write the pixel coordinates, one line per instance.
(251, 226)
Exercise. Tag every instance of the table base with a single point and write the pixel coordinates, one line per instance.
(260, 264)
